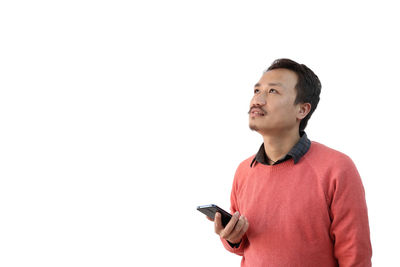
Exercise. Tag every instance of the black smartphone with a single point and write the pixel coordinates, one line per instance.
(210, 211)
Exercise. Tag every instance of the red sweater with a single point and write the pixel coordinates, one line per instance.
(312, 213)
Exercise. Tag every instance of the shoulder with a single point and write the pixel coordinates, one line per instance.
(323, 155)
(333, 168)
(244, 168)
(245, 164)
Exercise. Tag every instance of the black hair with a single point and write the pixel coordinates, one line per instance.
(308, 86)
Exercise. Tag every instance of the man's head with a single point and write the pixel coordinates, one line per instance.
(285, 97)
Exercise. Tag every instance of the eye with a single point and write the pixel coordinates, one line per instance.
(256, 91)
(272, 90)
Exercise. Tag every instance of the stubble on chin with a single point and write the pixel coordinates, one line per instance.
(253, 127)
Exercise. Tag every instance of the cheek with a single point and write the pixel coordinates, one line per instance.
(286, 109)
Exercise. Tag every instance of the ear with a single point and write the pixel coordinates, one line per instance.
(303, 110)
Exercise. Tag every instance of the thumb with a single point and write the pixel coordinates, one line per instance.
(217, 223)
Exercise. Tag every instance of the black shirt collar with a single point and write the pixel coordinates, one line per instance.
(296, 152)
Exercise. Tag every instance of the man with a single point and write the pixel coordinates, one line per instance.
(296, 202)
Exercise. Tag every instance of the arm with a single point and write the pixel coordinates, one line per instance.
(349, 227)
(236, 246)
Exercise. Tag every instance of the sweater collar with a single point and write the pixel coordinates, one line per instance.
(297, 151)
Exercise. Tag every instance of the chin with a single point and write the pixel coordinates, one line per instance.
(253, 127)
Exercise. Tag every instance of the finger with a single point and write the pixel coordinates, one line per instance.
(210, 219)
(217, 223)
(245, 227)
(230, 226)
(236, 238)
(238, 227)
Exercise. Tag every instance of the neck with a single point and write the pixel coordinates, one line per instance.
(278, 145)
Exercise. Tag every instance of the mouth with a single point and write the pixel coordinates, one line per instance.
(256, 112)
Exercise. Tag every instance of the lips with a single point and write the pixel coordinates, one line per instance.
(257, 112)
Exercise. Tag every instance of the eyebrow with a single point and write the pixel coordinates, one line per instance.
(269, 84)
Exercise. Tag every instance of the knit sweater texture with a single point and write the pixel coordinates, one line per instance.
(308, 214)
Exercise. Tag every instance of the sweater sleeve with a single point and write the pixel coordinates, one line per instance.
(239, 250)
(348, 210)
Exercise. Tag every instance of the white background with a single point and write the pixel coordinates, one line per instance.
(118, 118)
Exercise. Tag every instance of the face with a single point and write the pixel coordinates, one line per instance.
(272, 108)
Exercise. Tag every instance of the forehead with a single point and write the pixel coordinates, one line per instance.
(284, 77)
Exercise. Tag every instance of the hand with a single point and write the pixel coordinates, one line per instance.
(234, 230)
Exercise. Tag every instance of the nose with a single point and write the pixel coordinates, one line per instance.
(259, 99)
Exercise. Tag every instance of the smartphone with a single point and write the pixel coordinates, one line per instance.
(210, 211)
